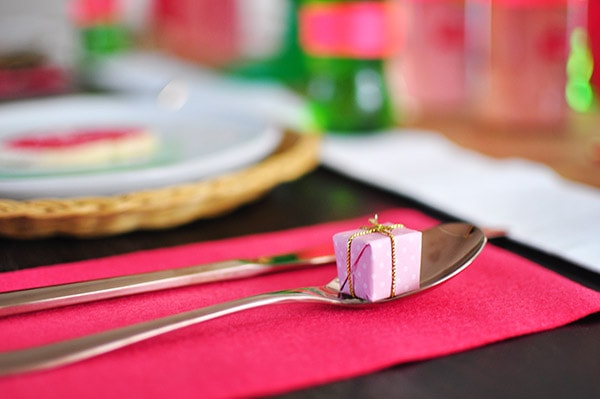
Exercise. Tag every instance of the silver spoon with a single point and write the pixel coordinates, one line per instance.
(447, 250)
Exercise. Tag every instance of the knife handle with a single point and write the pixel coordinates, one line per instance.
(33, 299)
(29, 300)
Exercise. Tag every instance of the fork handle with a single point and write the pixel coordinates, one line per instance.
(74, 350)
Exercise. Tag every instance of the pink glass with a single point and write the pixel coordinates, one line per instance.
(201, 30)
(520, 49)
(431, 65)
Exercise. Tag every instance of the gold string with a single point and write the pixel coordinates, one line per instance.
(364, 230)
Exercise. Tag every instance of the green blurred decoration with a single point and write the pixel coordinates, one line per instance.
(104, 39)
(287, 65)
(580, 65)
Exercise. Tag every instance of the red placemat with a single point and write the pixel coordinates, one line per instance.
(283, 347)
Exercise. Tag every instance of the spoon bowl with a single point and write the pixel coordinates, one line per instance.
(447, 250)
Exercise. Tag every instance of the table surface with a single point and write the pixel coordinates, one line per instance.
(574, 153)
(554, 364)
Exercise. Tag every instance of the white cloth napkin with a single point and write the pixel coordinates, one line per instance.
(529, 200)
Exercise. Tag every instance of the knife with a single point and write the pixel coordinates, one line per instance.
(33, 299)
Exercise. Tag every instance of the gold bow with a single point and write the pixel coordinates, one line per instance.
(374, 228)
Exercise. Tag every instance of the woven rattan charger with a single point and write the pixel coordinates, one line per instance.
(161, 208)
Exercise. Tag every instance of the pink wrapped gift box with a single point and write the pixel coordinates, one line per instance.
(371, 261)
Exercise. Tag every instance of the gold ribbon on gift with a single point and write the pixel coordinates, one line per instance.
(374, 228)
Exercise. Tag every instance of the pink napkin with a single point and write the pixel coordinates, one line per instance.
(282, 347)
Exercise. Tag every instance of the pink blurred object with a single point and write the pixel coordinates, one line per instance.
(594, 40)
(372, 271)
(33, 81)
(37, 56)
(331, 29)
(432, 63)
(200, 30)
(91, 12)
(521, 48)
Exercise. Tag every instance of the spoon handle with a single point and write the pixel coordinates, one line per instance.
(74, 350)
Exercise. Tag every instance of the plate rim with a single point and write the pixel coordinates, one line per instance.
(100, 183)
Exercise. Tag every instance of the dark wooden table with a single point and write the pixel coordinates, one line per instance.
(563, 363)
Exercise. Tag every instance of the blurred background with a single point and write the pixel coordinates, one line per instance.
(362, 65)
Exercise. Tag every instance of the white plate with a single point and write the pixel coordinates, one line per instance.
(198, 142)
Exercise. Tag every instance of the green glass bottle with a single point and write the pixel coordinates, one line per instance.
(286, 65)
(346, 44)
